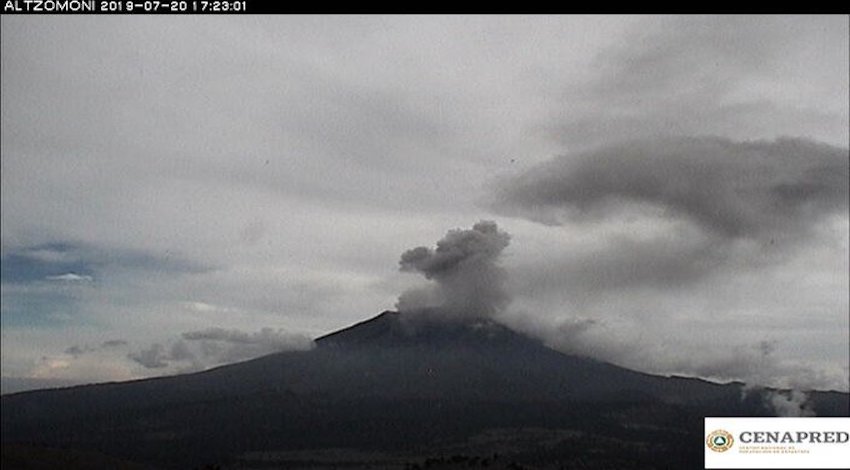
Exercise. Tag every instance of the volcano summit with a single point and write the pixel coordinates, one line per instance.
(395, 390)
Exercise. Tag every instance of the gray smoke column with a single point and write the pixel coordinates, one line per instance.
(465, 268)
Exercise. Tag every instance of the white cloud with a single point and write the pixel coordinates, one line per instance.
(70, 277)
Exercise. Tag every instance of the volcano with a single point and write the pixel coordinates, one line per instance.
(393, 391)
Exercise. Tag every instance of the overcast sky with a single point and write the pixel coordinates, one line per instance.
(181, 192)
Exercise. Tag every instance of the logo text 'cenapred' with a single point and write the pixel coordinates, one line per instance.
(799, 437)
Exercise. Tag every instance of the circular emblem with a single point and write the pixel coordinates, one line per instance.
(719, 440)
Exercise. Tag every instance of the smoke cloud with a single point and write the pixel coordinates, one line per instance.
(470, 283)
(790, 403)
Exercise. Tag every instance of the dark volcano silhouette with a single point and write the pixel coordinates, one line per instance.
(402, 385)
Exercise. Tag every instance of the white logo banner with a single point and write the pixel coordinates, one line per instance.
(777, 442)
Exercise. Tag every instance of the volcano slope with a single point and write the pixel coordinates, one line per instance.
(393, 390)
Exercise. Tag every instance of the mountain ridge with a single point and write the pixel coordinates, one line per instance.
(393, 382)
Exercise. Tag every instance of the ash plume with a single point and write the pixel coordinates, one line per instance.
(469, 282)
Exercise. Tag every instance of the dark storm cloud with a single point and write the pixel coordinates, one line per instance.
(711, 203)
(757, 190)
(469, 280)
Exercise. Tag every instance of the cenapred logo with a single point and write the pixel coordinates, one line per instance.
(762, 442)
(719, 440)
